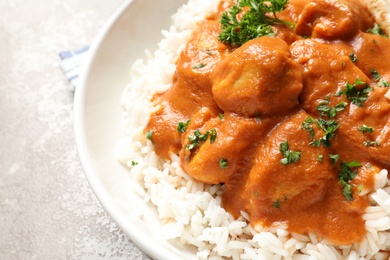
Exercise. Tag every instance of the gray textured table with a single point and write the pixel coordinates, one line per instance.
(47, 208)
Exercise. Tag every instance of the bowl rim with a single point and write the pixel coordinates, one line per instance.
(134, 232)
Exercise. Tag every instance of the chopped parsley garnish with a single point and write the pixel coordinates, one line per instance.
(366, 129)
(360, 188)
(223, 163)
(182, 126)
(256, 193)
(197, 138)
(334, 158)
(355, 94)
(329, 127)
(221, 116)
(149, 135)
(289, 155)
(331, 112)
(209, 52)
(346, 175)
(320, 157)
(375, 75)
(213, 135)
(276, 204)
(377, 29)
(384, 83)
(199, 66)
(307, 125)
(371, 143)
(134, 163)
(353, 57)
(254, 23)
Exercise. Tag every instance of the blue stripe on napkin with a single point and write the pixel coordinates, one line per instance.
(71, 64)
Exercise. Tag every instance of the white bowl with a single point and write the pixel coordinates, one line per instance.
(134, 27)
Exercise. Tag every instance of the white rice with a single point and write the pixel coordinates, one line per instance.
(191, 212)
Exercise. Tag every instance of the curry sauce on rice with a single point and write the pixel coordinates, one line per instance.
(284, 107)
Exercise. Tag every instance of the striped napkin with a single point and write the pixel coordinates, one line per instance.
(71, 65)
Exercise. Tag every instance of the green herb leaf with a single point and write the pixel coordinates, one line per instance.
(377, 29)
(320, 157)
(353, 57)
(347, 191)
(346, 175)
(357, 95)
(360, 188)
(371, 143)
(384, 83)
(334, 158)
(255, 22)
(331, 112)
(375, 75)
(149, 135)
(221, 116)
(196, 139)
(213, 135)
(276, 204)
(199, 66)
(366, 129)
(223, 163)
(289, 155)
(209, 52)
(307, 125)
(329, 127)
(182, 126)
(134, 163)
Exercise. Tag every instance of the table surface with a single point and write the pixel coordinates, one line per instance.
(48, 210)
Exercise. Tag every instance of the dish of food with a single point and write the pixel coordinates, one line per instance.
(260, 140)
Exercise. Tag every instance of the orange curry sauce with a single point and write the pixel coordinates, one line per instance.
(250, 100)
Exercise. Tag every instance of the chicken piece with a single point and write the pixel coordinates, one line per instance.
(254, 76)
(326, 70)
(302, 182)
(214, 161)
(364, 131)
(334, 19)
(305, 193)
(372, 52)
(191, 88)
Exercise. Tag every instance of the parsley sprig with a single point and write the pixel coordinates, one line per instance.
(375, 74)
(366, 129)
(357, 92)
(307, 125)
(149, 134)
(197, 138)
(255, 22)
(384, 83)
(371, 143)
(346, 175)
(331, 112)
(377, 29)
(182, 126)
(329, 128)
(223, 163)
(290, 156)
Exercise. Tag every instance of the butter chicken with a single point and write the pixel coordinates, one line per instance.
(294, 123)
